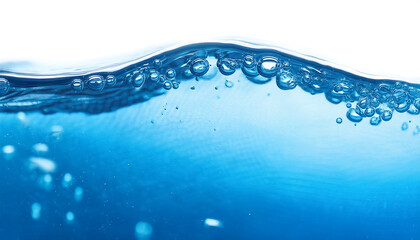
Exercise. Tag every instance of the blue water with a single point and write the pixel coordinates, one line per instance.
(209, 141)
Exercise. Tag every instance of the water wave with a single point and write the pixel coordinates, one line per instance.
(112, 87)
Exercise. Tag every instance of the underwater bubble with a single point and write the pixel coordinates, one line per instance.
(286, 81)
(348, 105)
(170, 73)
(384, 89)
(399, 96)
(386, 115)
(404, 126)
(67, 180)
(162, 78)
(188, 73)
(8, 151)
(374, 102)
(4, 86)
(110, 80)
(268, 66)
(46, 182)
(69, 217)
(175, 84)
(40, 148)
(22, 117)
(36, 211)
(402, 107)
(363, 103)
(210, 222)
(228, 84)
(77, 85)
(138, 79)
(286, 65)
(43, 164)
(154, 76)
(353, 116)
(375, 120)
(199, 67)
(167, 85)
(413, 110)
(249, 61)
(143, 230)
(250, 71)
(416, 103)
(57, 132)
(306, 78)
(339, 120)
(369, 112)
(96, 82)
(226, 66)
(78, 194)
(157, 63)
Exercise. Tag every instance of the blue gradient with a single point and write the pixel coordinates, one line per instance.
(265, 162)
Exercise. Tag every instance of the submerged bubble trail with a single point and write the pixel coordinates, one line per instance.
(109, 88)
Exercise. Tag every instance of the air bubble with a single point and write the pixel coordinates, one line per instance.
(228, 84)
(46, 182)
(57, 132)
(4, 86)
(43, 164)
(416, 103)
(36, 211)
(348, 105)
(286, 81)
(369, 112)
(353, 116)
(78, 194)
(77, 85)
(175, 84)
(248, 61)
(399, 96)
(339, 120)
(386, 115)
(154, 76)
(96, 82)
(69, 217)
(375, 120)
(170, 73)
(404, 126)
(8, 151)
(199, 67)
(250, 71)
(40, 148)
(67, 180)
(210, 222)
(167, 85)
(111, 80)
(268, 66)
(226, 66)
(143, 230)
(138, 79)
(157, 63)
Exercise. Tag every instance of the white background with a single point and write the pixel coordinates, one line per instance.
(375, 37)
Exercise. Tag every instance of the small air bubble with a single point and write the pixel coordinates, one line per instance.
(404, 126)
(228, 84)
(339, 120)
(143, 230)
(69, 217)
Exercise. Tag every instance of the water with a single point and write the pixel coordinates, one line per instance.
(209, 141)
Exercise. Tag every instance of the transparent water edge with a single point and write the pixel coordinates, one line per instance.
(219, 157)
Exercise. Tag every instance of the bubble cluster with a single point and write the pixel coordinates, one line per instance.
(106, 90)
